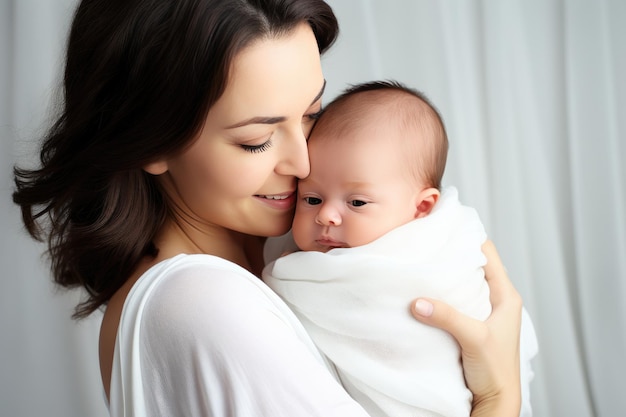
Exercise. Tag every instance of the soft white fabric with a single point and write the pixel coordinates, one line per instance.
(355, 305)
(201, 336)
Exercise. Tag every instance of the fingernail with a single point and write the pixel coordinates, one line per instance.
(423, 308)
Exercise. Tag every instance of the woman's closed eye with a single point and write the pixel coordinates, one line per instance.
(257, 148)
(314, 116)
(308, 120)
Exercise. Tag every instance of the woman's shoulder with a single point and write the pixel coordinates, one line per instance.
(203, 296)
(200, 327)
(166, 298)
(203, 308)
(186, 286)
(196, 267)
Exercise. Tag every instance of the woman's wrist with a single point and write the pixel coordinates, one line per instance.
(504, 404)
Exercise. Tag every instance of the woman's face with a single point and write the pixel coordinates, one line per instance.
(240, 174)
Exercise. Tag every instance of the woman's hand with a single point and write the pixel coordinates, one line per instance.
(490, 349)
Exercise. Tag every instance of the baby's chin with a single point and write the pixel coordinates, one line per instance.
(311, 246)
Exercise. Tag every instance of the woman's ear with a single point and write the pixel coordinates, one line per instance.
(426, 200)
(157, 167)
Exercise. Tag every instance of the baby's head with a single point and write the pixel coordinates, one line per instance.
(378, 154)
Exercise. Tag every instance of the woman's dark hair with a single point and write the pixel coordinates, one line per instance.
(139, 79)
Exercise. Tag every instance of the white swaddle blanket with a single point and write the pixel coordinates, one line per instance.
(355, 304)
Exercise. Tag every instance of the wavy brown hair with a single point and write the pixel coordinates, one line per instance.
(139, 79)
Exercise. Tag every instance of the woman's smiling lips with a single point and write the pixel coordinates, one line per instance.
(280, 201)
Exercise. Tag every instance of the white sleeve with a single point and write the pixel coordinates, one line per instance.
(214, 343)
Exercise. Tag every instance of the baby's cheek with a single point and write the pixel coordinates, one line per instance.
(301, 230)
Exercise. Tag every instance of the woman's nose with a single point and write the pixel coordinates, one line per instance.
(295, 156)
(328, 215)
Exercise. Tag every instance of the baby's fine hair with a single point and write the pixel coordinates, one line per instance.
(390, 102)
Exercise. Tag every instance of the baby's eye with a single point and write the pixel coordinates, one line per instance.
(314, 201)
(358, 203)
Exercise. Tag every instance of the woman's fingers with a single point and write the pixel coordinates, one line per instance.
(468, 332)
(471, 334)
(489, 349)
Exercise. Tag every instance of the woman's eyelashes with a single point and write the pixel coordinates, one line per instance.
(316, 115)
(257, 148)
(267, 144)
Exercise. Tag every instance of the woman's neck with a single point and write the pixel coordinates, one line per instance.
(253, 248)
(175, 238)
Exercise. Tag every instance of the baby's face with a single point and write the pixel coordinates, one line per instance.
(357, 191)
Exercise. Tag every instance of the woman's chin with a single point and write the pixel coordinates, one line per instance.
(278, 231)
(275, 226)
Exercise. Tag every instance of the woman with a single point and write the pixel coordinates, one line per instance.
(177, 151)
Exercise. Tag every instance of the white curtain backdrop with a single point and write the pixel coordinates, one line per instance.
(533, 94)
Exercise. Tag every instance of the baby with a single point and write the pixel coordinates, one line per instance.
(375, 230)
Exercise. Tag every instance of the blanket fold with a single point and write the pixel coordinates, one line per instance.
(355, 304)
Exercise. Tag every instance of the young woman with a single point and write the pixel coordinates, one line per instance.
(176, 153)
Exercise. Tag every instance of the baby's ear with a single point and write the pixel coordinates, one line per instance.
(157, 167)
(426, 200)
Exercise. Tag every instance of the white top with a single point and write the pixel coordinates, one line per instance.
(355, 305)
(201, 336)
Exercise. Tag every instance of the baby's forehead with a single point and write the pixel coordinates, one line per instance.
(386, 107)
(361, 118)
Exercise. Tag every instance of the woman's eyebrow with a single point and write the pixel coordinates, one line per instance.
(272, 120)
(258, 120)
